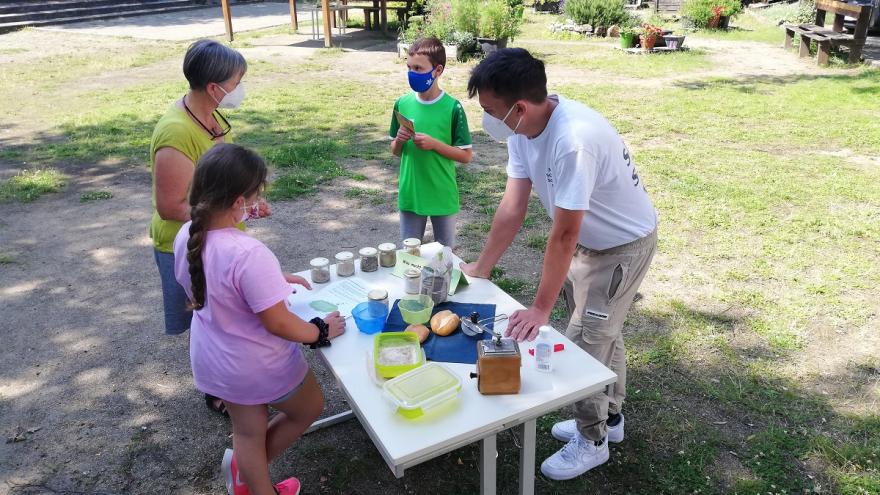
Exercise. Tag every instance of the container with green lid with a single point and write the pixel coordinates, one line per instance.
(395, 353)
(417, 391)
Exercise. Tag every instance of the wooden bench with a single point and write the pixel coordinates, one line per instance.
(834, 37)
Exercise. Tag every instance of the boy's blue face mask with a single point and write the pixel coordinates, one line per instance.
(421, 82)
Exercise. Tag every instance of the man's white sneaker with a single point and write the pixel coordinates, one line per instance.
(577, 457)
(566, 430)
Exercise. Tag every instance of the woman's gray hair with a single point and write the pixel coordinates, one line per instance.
(208, 61)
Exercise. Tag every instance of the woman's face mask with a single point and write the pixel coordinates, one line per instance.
(496, 128)
(233, 98)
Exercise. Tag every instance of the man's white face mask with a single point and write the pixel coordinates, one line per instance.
(496, 128)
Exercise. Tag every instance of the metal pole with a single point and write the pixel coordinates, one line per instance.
(527, 459)
(330, 421)
(488, 472)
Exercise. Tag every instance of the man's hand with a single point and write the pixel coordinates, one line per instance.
(296, 279)
(525, 322)
(471, 270)
(404, 134)
(425, 142)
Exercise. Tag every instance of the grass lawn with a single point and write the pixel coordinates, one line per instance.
(746, 369)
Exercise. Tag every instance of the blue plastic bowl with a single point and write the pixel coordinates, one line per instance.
(370, 316)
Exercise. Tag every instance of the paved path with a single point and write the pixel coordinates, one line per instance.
(189, 24)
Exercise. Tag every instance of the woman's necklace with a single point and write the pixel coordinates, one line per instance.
(210, 131)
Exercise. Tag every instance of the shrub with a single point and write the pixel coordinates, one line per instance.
(598, 12)
(700, 12)
(440, 23)
(499, 20)
(495, 19)
(466, 15)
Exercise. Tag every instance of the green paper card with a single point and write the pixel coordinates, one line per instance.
(406, 261)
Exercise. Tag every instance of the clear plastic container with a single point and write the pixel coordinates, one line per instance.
(395, 353)
(369, 259)
(344, 264)
(320, 272)
(387, 255)
(544, 350)
(413, 246)
(417, 391)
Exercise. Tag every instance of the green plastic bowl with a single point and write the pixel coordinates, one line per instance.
(416, 310)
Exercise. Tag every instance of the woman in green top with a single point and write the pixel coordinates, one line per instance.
(187, 130)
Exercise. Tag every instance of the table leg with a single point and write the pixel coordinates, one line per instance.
(488, 475)
(527, 458)
(330, 421)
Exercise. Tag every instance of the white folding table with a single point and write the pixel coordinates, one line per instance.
(472, 417)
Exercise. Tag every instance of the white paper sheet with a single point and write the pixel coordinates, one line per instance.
(344, 295)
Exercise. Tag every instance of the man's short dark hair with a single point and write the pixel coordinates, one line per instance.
(512, 74)
(432, 48)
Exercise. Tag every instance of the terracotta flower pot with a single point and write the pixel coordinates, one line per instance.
(647, 42)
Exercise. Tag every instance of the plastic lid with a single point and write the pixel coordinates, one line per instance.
(368, 251)
(544, 331)
(344, 256)
(319, 262)
(412, 242)
(388, 246)
(411, 273)
(423, 387)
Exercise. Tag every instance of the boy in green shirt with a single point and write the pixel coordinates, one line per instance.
(439, 137)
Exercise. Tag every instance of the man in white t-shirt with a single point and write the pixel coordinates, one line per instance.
(599, 248)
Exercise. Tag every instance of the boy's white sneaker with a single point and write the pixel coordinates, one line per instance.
(566, 430)
(577, 457)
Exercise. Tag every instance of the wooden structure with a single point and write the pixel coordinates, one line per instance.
(375, 15)
(834, 37)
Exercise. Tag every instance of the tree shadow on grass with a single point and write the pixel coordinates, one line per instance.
(750, 84)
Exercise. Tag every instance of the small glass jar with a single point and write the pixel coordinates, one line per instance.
(369, 259)
(412, 246)
(344, 264)
(378, 295)
(387, 255)
(412, 279)
(320, 270)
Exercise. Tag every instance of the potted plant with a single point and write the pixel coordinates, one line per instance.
(673, 41)
(628, 37)
(716, 16)
(648, 36)
(499, 22)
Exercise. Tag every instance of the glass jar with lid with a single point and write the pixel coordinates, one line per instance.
(378, 295)
(320, 270)
(387, 255)
(413, 246)
(344, 264)
(369, 259)
(412, 281)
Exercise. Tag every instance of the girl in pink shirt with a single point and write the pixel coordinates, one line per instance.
(244, 343)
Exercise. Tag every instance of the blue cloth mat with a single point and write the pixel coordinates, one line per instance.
(455, 347)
